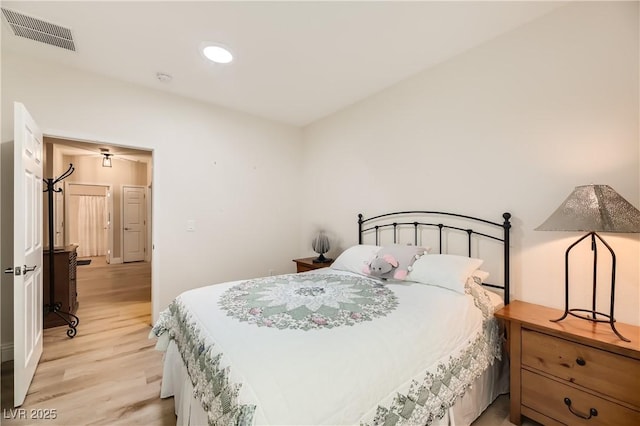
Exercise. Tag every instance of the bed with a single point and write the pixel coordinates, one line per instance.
(338, 345)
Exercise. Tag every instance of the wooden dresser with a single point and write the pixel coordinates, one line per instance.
(306, 264)
(65, 264)
(572, 372)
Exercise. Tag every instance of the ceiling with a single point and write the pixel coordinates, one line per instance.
(295, 62)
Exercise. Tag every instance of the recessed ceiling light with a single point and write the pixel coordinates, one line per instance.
(217, 54)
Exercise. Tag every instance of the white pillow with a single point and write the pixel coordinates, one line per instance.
(444, 270)
(355, 258)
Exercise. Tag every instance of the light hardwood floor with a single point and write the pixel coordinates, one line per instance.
(110, 374)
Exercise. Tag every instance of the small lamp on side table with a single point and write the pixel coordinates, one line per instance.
(320, 245)
(593, 208)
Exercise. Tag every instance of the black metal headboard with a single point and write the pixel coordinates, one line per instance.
(416, 220)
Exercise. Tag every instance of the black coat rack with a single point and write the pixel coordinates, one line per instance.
(54, 307)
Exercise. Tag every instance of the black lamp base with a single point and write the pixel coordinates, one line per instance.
(322, 259)
(593, 317)
(592, 313)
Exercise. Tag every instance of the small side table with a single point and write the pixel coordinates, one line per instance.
(306, 264)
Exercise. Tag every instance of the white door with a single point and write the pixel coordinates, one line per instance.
(133, 223)
(27, 251)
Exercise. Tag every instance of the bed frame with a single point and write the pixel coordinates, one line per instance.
(444, 223)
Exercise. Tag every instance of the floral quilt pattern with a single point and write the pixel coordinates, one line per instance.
(308, 301)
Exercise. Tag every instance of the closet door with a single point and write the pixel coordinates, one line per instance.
(134, 223)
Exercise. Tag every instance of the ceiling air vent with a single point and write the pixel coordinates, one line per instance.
(38, 30)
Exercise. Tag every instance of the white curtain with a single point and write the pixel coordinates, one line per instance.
(92, 225)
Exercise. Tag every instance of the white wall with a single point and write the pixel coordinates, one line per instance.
(234, 174)
(513, 125)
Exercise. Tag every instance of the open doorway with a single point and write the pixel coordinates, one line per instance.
(103, 186)
(92, 217)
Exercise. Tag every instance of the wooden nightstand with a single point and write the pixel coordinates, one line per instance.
(571, 372)
(306, 264)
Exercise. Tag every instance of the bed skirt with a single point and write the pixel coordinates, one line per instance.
(485, 389)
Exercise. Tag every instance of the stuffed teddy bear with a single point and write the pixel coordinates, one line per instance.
(393, 261)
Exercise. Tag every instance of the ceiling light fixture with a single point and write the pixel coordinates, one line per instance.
(106, 161)
(217, 54)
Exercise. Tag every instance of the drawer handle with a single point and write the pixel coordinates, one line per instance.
(592, 411)
(581, 361)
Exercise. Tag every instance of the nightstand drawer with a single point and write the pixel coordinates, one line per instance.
(604, 372)
(550, 397)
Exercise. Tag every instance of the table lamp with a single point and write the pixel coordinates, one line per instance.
(593, 208)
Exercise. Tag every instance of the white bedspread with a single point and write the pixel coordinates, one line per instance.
(406, 367)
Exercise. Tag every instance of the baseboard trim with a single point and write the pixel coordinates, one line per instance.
(115, 260)
(7, 352)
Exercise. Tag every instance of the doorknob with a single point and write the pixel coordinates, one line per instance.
(127, 229)
(17, 271)
(26, 269)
